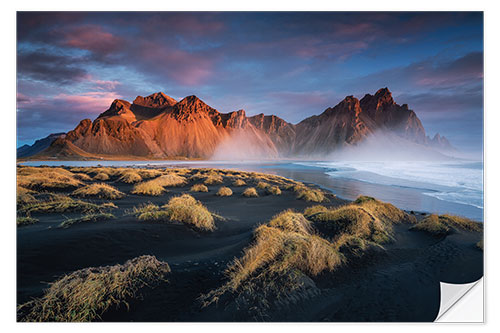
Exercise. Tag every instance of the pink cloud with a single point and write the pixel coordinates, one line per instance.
(184, 67)
(89, 102)
(92, 38)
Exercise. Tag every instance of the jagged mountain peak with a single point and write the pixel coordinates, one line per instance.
(349, 104)
(378, 102)
(156, 100)
(192, 101)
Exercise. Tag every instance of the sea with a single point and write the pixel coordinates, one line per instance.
(453, 187)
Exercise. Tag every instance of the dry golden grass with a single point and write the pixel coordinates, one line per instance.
(250, 192)
(45, 178)
(443, 225)
(283, 249)
(460, 222)
(90, 217)
(239, 182)
(262, 185)
(148, 173)
(83, 177)
(99, 190)
(213, 179)
(25, 220)
(148, 188)
(309, 194)
(170, 180)
(179, 171)
(56, 203)
(310, 211)
(130, 177)
(188, 210)
(150, 212)
(101, 176)
(291, 221)
(224, 192)
(199, 188)
(367, 219)
(184, 209)
(274, 190)
(96, 170)
(24, 196)
(87, 294)
(432, 225)
(156, 186)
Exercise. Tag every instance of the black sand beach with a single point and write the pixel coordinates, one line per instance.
(397, 281)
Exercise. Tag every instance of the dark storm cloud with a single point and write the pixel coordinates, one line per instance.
(40, 65)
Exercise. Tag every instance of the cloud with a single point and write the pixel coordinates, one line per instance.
(42, 65)
(92, 38)
(61, 113)
(430, 74)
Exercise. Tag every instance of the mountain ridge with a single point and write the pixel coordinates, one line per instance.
(158, 126)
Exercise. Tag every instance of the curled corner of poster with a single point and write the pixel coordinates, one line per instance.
(462, 303)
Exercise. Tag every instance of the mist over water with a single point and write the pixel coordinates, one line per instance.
(243, 145)
(386, 159)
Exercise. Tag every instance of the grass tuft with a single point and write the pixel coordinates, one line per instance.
(224, 192)
(101, 176)
(184, 209)
(148, 188)
(250, 192)
(83, 177)
(130, 177)
(310, 211)
(148, 173)
(274, 190)
(25, 220)
(262, 185)
(188, 210)
(308, 194)
(239, 182)
(99, 190)
(155, 187)
(91, 217)
(87, 294)
(199, 188)
(370, 220)
(213, 179)
(443, 225)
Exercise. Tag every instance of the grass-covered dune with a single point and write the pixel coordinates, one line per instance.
(294, 247)
(87, 294)
(442, 225)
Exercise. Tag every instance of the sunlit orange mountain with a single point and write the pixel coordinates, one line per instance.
(158, 126)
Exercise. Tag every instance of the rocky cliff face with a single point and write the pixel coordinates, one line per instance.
(352, 120)
(158, 126)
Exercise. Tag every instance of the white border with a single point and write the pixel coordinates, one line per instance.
(492, 140)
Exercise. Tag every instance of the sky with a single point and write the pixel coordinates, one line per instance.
(72, 65)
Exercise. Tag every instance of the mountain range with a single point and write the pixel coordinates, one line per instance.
(159, 127)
